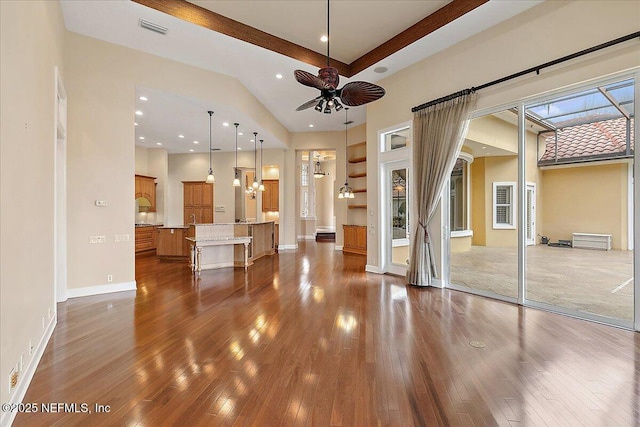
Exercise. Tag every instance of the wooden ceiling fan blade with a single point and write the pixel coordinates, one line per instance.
(309, 79)
(359, 93)
(309, 104)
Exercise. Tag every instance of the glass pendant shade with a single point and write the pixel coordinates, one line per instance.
(261, 187)
(210, 178)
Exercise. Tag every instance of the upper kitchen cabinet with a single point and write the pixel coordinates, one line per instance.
(270, 197)
(146, 191)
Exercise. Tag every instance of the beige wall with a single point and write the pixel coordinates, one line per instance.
(538, 35)
(101, 144)
(325, 197)
(31, 43)
(587, 199)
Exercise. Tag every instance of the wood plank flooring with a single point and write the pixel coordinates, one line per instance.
(308, 338)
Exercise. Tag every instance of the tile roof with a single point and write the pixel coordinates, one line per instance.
(598, 139)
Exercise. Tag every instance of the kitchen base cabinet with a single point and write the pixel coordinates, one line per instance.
(355, 239)
(145, 238)
(172, 242)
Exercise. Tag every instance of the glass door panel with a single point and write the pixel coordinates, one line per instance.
(483, 197)
(396, 218)
(581, 260)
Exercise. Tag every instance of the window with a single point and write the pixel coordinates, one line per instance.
(396, 139)
(504, 206)
(304, 176)
(459, 195)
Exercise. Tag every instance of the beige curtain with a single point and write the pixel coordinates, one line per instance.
(438, 133)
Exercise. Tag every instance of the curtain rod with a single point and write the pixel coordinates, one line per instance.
(527, 71)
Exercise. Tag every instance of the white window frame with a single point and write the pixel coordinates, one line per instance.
(513, 205)
(467, 157)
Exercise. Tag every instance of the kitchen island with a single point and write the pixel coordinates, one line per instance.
(220, 245)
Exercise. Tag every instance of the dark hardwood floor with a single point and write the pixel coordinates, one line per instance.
(308, 338)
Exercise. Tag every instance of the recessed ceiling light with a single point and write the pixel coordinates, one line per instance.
(278, 76)
(135, 124)
(225, 124)
(195, 142)
(310, 126)
(138, 113)
(380, 70)
(158, 143)
(484, 148)
(240, 133)
(324, 39)
(142, 137)
(239, 148)
(191, 150)
(180, 136)
(142, 98)
(251, 140)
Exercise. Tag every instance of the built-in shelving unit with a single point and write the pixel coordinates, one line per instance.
(355, 233)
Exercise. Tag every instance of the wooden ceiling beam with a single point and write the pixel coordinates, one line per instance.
(205, 18)
(197, 15)
(426, 26)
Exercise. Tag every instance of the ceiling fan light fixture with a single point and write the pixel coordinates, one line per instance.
(319, 106)
(327, 109)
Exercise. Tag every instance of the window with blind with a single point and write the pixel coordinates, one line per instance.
(504, 206)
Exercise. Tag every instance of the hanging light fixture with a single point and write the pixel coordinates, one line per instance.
(317, 170)
(251, 189)
(346, 192)
(261, 186)
(210, 178)
(236, 179)
(255, 161)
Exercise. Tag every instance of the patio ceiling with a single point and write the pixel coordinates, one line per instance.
(597, 104)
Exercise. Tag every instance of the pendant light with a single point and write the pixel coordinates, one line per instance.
(255, 161)
(236, 179)
(346, 192)
(210, 178)
(261, 186)
(317, 170)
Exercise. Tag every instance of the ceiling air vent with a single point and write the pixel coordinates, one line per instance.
(153, 27)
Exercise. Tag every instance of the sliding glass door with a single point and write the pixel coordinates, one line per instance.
(541, 204)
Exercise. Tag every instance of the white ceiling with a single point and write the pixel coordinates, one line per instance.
(357, 26)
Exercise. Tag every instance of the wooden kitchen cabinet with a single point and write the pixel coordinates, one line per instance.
(145, 186)
(198, 201)
(271, 196)
(172, 242)
(355, 239)
(145, 238)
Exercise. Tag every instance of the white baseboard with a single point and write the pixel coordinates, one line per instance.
(373, 269)
(285, 247)
(306, 237)
(6, 418)
(101, 289)
(338, 247)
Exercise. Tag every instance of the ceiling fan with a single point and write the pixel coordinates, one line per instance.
(352, 94)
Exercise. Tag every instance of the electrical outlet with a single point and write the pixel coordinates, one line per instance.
(49, 313)
(43, 321)
(97, 239)
(121, 238)
(30, 348)
(101, 203)
(109, 278)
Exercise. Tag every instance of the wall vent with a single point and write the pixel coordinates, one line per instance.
(153, 27)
